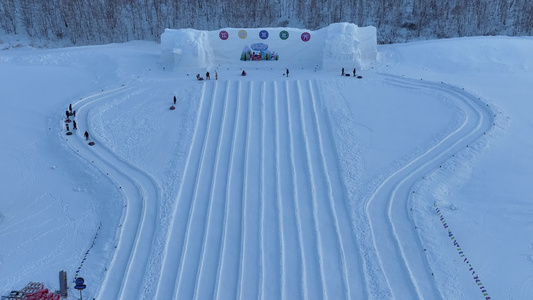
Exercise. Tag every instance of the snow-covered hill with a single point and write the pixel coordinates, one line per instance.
(411, 182)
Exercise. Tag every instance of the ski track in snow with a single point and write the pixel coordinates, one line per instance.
(388, 211)
(125, 273)
(261, 211)
(259, 174)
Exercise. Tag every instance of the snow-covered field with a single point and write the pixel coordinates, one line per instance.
(412, 182)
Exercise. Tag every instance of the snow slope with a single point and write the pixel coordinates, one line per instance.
(409, 183)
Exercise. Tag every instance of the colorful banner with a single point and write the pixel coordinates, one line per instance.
(258, 52)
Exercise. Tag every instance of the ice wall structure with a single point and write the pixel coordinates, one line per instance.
(330, 48)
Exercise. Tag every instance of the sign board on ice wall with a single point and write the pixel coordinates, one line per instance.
(330, 48)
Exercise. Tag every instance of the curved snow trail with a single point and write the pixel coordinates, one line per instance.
(125, 273)
(392, 227)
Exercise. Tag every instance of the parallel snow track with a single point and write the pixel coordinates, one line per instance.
(125, 273)
(261, 211)
(392, 226)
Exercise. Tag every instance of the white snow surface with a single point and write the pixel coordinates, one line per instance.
(413, 182)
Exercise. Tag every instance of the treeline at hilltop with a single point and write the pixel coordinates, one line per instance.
(82, 22)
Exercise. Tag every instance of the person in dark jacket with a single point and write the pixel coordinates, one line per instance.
(86, 134)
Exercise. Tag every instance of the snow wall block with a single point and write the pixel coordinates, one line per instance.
(331, 48)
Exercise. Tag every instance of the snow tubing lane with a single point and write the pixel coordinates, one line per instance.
(262, 151)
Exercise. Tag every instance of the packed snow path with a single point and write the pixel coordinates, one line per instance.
(261, 168)
(140, 213)
(388, 208)
(261, 210)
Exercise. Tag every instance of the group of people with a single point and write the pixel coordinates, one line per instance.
(207, 76)
(346, 74)
(72, 113)
(243, 73)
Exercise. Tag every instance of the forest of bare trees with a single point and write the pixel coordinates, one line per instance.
(83, 22)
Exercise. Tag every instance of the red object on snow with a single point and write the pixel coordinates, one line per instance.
(172, 107)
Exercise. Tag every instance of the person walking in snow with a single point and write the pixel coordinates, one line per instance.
(67, 114)
(342, 72)
(216, 75)
(86, 134)
(353, 72)
(74, 125)
(174, 99)
(70, 108)
(287, 72)
(207, 77)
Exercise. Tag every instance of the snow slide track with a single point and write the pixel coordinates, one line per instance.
(387, 209)
(294, 277)
(261, 212)
(141, 194)
(332, 194)
(215, 220)
(178, 226)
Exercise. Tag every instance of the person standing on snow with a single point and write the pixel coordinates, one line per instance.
(287, 72)
(353, 72)
(86, 134)
(342, 72)
(74, 125)
(174, 99)
(207, 77)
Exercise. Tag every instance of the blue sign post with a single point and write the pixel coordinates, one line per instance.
(80, 285)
